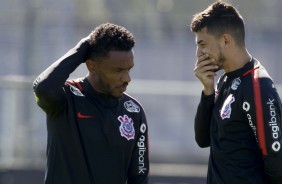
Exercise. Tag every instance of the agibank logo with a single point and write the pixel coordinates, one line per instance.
(126, 127)
(142, 149)
(274, 125)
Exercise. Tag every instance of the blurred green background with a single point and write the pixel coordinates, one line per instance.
(35, 33)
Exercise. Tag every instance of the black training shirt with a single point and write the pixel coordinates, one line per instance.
(241, 123)
(93, 138)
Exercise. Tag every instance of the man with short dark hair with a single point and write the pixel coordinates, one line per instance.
(97, 134)
(240, 118)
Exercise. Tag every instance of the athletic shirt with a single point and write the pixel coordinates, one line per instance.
(93, 138)
(241, 123)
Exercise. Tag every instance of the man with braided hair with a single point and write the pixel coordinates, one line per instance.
(97, 134)
(239, 118)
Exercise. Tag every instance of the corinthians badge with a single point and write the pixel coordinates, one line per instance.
(126, 127)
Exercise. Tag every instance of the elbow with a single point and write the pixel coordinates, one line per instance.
(36, 86)
(38, 91)
(202, 133)
(202, 143)
(39, 88)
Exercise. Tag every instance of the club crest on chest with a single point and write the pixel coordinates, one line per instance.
(126, 127)
(226, 110)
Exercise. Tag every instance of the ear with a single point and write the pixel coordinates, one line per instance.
(91, 65)
(227, 40)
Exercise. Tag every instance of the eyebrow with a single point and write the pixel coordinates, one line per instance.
(122, 68)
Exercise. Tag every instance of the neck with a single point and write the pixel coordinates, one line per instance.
(92, 83)
(237, 60)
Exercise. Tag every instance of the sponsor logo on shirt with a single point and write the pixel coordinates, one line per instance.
(142, 149)
(235, 83)
(226, 108)
(82, 116)
(143, 128)
(126, 127)
(273, 124)
(76, 91)
(246, 107)
(130, 106)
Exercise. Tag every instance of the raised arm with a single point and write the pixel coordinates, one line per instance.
(48, 86)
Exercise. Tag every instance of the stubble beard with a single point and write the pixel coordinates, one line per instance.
(221, 61)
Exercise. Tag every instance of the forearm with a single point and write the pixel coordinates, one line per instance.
(48, 86)
(203, 119)
(53, 78)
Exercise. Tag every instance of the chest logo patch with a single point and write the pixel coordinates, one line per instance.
(226, 110)
(76, 91)
(235, 83)
(130, 106)
(126, 127)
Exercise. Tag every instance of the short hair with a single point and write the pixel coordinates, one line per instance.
(109, 37)
(220, 18)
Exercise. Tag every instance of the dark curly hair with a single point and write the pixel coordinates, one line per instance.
(109, 37)
(220, 18)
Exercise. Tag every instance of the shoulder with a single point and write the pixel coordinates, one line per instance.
(74, 82)
(75, 86)
(131, 104)
(260, 79)
(257, 72)
(261, 75)
(260, 71)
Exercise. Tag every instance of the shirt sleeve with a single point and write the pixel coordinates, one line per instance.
(266, 108)
(139, 166)
(48, 86)
(203, 120)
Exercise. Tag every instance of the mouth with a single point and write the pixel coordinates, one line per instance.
(122, 88)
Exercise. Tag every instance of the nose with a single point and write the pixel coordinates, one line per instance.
(199, 52)
(126, 77)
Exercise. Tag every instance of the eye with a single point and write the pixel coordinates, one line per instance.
(202, 45)
(118, 69)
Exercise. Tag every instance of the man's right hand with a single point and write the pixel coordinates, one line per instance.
(83, 47)
(204, 71)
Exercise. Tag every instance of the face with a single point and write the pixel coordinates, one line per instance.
(110, 75)
(209, 44)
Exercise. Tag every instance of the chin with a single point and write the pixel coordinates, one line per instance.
(117, 95)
